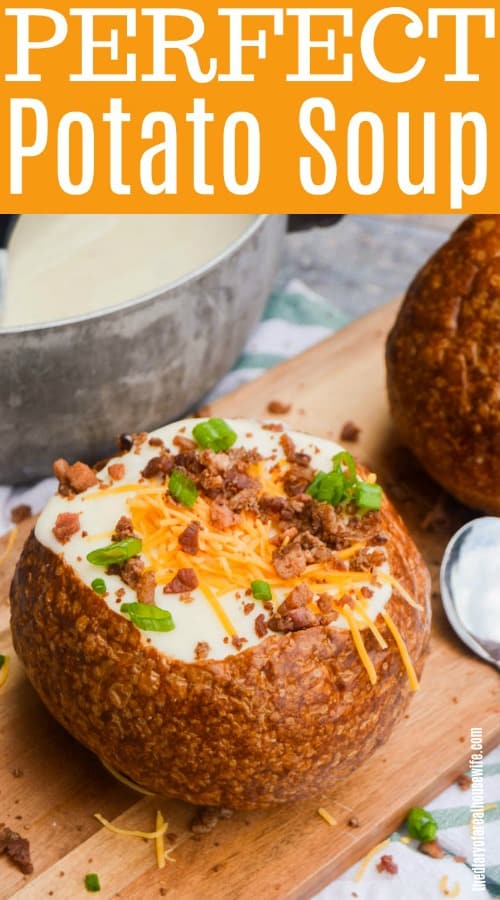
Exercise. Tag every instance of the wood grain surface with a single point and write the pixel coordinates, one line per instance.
(50, 786)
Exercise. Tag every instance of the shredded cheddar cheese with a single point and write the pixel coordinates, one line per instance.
(443, 885)
(229, 559)
(368, 858)
(405, 656)
(10, 543)
(127, 781)
(360, 647)
(146, 835)
(326, 816)
(160, 842)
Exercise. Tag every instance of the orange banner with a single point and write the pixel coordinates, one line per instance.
(207, 108)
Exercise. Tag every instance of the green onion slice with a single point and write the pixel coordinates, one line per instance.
(421, 824)
(148, 618)
(346, 459)
(368, 496)
(182, 488)
(99, 586)
(118, 552)
(92, 883)
(328, 487)
(214, 434)
(261, 590)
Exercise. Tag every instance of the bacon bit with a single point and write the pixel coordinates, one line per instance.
(66, 525)
(116, 471)
(432, 848)
(188, 539)
(158, 465)
(326, 603)
(248, 608)
(186, 580)
(288, 447)
(387, 864)
(350, 432)
(16, 848)
(184, 443)
(273, 426)
(120, 593)
(77, 477)
(366, 592)
(221, 515)
(139, 439)
(156, 442)
(123, 529)
(19, 513)
(299, 596)
(260, 626)
(277, 408)
(201, 650)
(146, 588)
(464, 782)
(206, 818)
(131, 572)
(238, 642)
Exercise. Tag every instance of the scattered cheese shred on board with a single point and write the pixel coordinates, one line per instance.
(127, 781)
(160, 841)
(443, 885)
(326, 816)
(405, 656)
(10, 543)
(147, 835)
(368, 858)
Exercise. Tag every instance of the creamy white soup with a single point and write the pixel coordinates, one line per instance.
(59, 266)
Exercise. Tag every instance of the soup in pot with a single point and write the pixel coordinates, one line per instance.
(59, 266)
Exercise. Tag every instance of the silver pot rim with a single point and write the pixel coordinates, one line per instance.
(151, 296)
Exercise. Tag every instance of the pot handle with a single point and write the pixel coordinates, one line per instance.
(7, 223)
(304, 223)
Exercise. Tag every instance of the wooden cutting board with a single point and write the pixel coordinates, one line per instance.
(50, 786)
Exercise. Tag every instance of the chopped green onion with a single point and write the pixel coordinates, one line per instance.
(182, 488)
(346, 459)
(92, 883)
(421, 824)
(99, 586)
(118, 552)
(148, 618)
(214, 434)
(261, 590)
(328, 487)
(368, 496)
(2, 660)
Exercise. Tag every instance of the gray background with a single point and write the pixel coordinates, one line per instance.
(363, 261)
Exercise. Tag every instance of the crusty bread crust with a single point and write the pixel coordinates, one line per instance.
(443, 365)
(278, 721)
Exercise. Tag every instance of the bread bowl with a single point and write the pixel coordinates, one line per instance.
(443, 365)
(246, 701)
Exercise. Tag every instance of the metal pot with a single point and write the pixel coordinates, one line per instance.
(68, 387)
